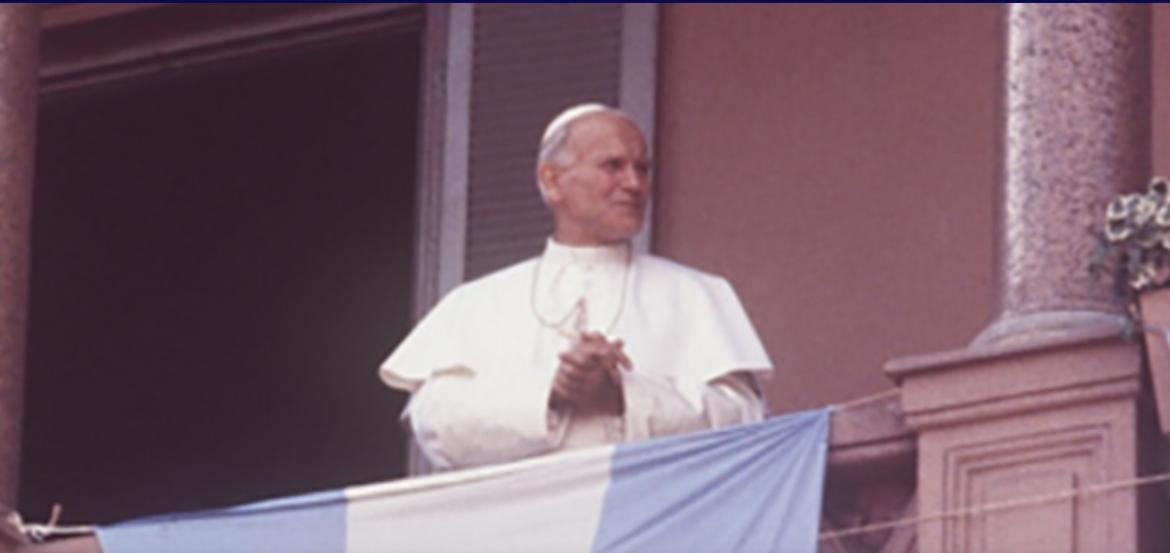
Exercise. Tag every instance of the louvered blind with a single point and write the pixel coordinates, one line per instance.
(529, 62)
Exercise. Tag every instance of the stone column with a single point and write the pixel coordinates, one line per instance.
(1048, 401)
(1077, 131)
(19, 29)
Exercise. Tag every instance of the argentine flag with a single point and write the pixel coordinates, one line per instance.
(754, 487)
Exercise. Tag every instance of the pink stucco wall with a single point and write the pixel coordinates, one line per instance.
(838, 164)
(1161, 83)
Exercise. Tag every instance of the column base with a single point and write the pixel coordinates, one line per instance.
(1046, 326)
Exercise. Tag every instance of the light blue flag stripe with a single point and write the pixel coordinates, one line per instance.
(755, 487)
(310, 523)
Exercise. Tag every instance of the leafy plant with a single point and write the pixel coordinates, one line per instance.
(1133, 248)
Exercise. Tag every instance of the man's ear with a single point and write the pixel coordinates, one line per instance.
(549, 176)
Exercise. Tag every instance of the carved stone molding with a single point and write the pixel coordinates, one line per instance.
(101, 45)
(1008, 468)
(1010, 423)
(979, 383)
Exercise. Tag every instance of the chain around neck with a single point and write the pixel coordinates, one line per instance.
(559, 326)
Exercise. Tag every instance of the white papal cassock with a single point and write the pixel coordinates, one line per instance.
(482, 362)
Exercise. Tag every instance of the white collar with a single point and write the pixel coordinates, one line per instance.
(558, 254)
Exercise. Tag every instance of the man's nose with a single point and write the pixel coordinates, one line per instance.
(632, 179)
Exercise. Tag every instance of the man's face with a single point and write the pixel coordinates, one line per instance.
(600, 196)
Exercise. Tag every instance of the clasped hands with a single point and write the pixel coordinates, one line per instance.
(588, 378)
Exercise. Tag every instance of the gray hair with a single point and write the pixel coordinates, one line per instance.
(556, 135)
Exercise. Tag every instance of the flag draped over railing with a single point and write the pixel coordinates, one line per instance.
(754, 487)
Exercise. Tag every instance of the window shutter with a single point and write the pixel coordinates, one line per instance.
(529, 62)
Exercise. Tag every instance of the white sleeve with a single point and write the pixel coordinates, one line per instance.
(655, 407)
(463, 419)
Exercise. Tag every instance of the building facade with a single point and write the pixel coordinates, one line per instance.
(899, 193)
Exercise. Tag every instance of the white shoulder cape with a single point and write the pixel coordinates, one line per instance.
(677, 322)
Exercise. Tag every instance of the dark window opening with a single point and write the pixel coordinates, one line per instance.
(221, 258)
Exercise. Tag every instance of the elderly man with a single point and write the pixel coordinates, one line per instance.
(589, 343)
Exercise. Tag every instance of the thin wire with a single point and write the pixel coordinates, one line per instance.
(865, 399)
(997, 506)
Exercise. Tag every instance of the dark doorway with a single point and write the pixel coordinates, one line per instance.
(221, 259)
